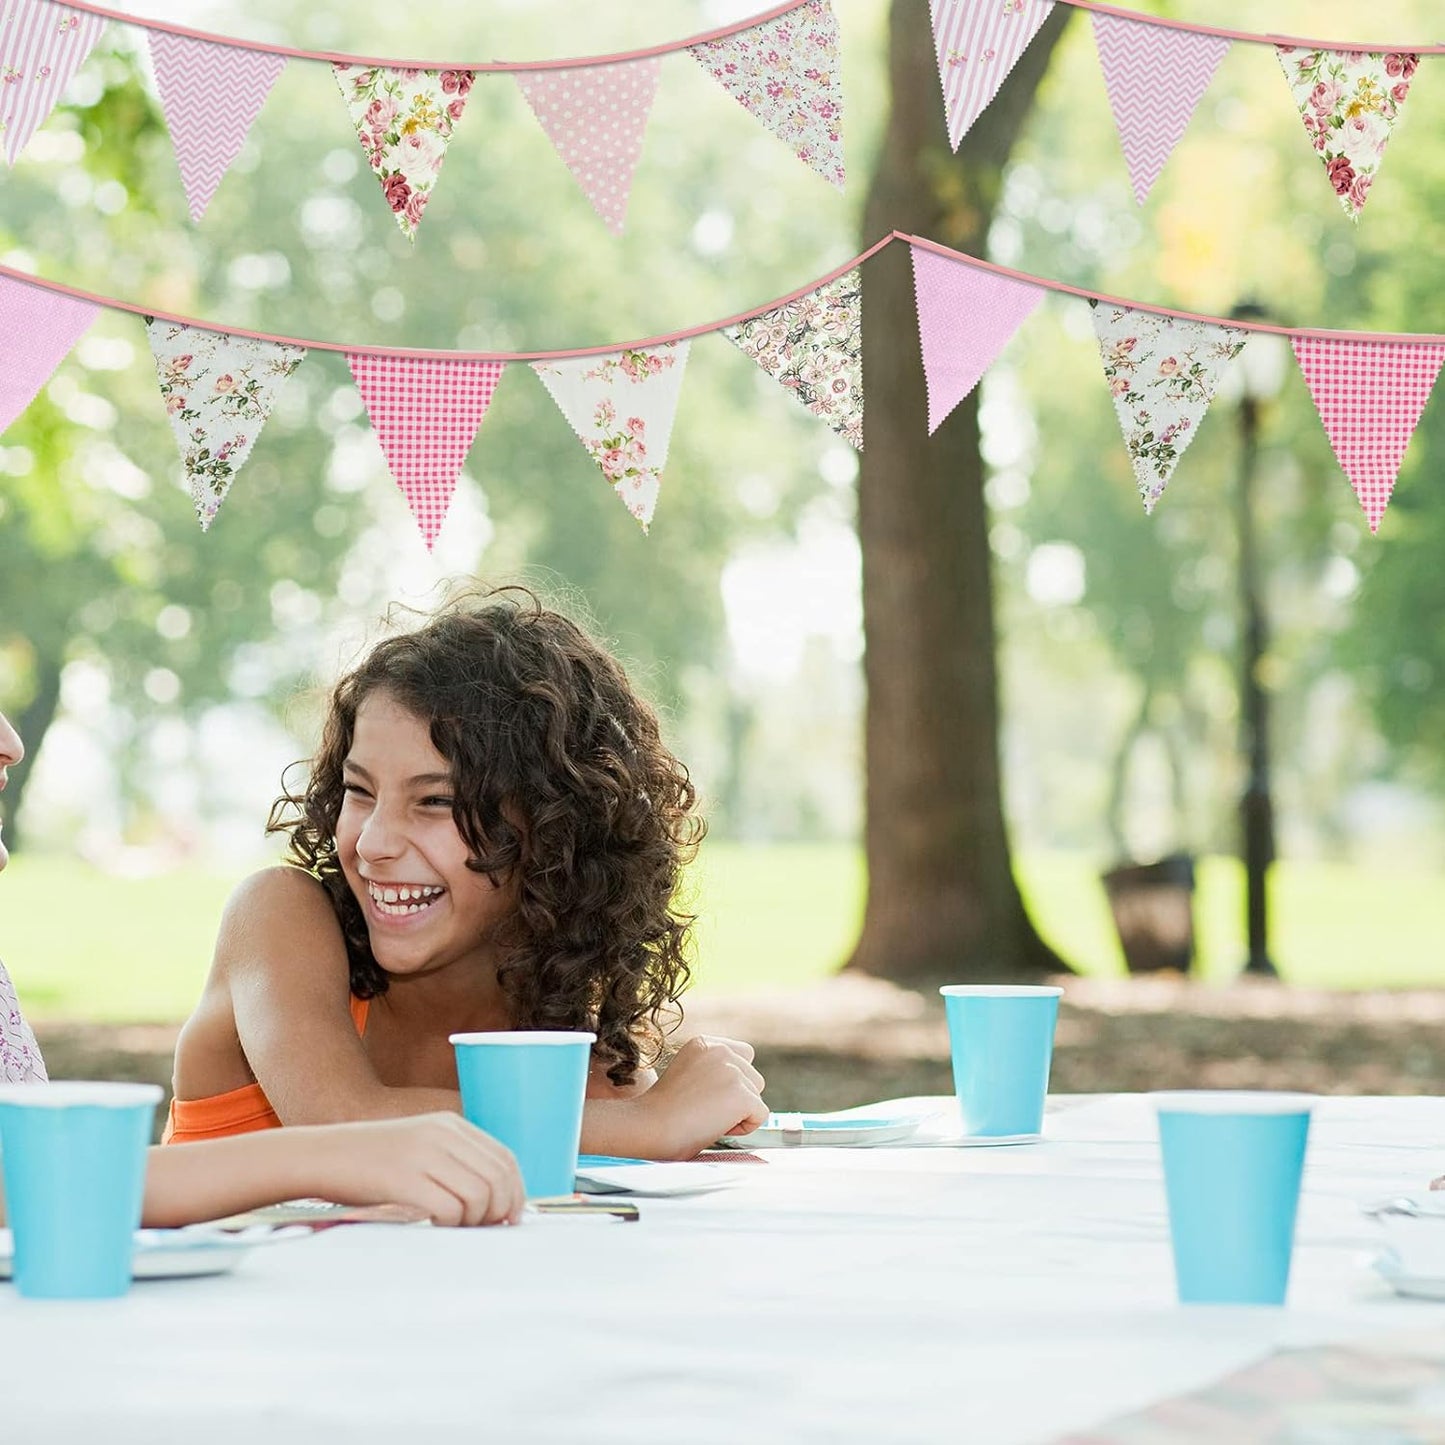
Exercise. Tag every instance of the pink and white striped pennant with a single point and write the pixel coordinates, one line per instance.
(1369, 395)
(210, 94)
(1155, 76)
(38, 329)
(42, 45)
(978, 43)
(966, 316)
(596, 117)
(426, 412)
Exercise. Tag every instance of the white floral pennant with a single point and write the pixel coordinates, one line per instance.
(622, 407)
(1163, 372)
(813, 348)
(218, 391)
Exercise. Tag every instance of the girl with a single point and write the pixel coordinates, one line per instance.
(438, 1163)
(491, 837)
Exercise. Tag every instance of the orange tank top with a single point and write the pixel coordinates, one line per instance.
(237, 1111)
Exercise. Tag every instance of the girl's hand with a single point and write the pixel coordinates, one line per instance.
(709, 1089)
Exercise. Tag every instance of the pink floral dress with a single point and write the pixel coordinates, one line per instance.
(20, 1061)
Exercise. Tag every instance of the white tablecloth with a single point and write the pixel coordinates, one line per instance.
(888, 1295)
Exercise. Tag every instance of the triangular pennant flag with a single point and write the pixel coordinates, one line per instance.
(38, 328)
(966, 316)
(813, 348)
(596, 116)
(210, 94)
(621, 406)
(1155, 76)
(404, 120)
(1163, 372)
(426, 412)
(978, 42)
(1369, 395)
(41, 46)
(1349, 101)
(788, 72)
(218, 391)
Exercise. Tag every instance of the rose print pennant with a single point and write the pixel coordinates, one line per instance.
(38, 329)
(1163, 372)
(978, 42)
(788, 72)
(621, 407)
(404, 120)
(1155, 76)
(42, 45)
(596, 116)
(218, 391)
(1369, 395)
(1349, 101)
(211, 94)
(426, 412)
(813, 348)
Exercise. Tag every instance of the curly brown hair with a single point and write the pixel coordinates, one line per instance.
(562, 782)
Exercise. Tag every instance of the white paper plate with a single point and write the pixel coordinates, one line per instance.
(1416, 1286)
(788, 1131)
(181, 1253)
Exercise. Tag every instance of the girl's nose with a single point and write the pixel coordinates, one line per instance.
(12, 750)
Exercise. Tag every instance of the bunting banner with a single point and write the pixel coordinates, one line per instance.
(39, 330)
(404, 120)
(218, 391)
(622, 406)
(1163, 372)
(788, 73)
(42, 45)
(978, 42)
(1155, 78)
(966, 317)
(596, 117)
(426, 412)
(813, 348)
(210, 94)
(1369, 395)
(1349, 102)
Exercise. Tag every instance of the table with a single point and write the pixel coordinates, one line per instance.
(886, 1295)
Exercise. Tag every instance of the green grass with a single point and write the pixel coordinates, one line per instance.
(83, 945)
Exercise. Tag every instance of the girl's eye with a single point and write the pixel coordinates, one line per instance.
(436, 801)
(354, 790)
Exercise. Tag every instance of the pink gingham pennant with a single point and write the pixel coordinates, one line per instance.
(1155, 77)
(210, 94)
(425, 411)
(596, 117)
(978, 42)
(38, 328)
(41, 46)
(966, 316)
(1369, 395)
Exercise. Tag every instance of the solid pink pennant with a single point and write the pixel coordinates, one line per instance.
(38, 328)
(211, 94)
(41, 46)
(978, 43)
(1369, 395)
(596, 116)
(966, 316)
(1155, 76)
(425, 411)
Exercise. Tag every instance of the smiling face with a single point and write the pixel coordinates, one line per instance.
(398, 845)
(12, 750)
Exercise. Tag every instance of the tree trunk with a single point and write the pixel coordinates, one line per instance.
(32, 725)
(942, 901)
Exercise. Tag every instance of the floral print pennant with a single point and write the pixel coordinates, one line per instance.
(1163, 372)
(404, 120)
(218, 391)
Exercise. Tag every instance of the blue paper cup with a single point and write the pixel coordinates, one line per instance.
(1002, 1040)
(74, 1160)
(1232, 1168)
(526, 1090)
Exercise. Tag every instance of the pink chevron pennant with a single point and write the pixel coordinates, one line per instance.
(978, 43)
(966, 316)
(210, 94)
(789, 73)
(42, 45)
(1155, 76)
(596, 117)
(1369, 395)
(426, 412)
(38, 329)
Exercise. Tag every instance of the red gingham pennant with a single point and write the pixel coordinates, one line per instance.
(1369, 395)
(425, 411)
